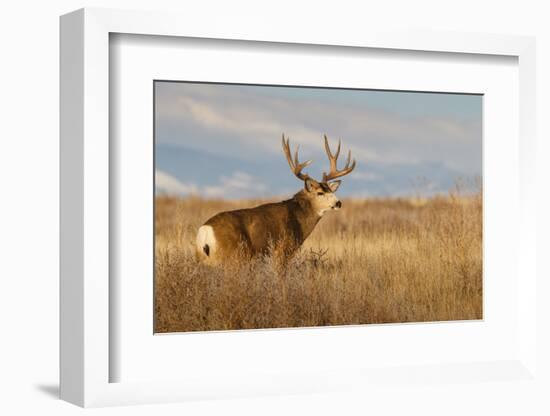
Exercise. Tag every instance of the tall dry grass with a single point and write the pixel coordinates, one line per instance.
(374, 261)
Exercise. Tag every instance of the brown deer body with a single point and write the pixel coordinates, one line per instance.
(284, 224)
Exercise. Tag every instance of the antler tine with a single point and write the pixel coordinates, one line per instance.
(327, 148)
(349, 159)
(333, 159)
(295, 166)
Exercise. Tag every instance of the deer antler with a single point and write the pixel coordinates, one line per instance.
(334, 172)
(295, 166)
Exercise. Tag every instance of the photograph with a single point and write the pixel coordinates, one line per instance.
(279, 206)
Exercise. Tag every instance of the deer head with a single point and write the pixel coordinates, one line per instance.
(321, 194)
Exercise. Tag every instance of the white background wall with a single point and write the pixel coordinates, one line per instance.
(29, 206)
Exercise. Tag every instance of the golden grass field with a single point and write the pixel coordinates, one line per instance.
(374, 261)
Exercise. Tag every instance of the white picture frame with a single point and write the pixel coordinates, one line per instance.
(85, 355)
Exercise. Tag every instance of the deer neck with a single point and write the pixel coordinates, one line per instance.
(305, 214)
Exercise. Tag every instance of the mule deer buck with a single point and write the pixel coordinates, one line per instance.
(284, 224)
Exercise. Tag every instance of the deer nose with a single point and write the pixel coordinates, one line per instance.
(339, 204)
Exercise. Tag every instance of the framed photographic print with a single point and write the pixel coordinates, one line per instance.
(248, 237)
(271, 214)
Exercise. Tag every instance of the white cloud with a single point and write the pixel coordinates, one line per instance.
(365, 176)
(167, 184)
(238, 185)
(264, 125)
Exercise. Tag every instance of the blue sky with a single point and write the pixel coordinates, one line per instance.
(224, 140)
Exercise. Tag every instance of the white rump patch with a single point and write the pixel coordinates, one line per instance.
(206, 241)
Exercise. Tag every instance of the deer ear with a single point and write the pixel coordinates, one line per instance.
(334, 185)
(310, 184)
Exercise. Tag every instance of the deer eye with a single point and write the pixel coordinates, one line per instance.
(320, 193)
